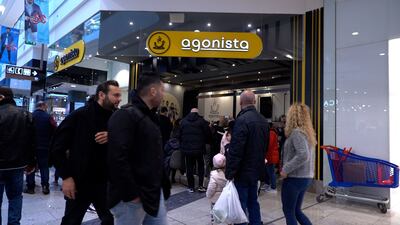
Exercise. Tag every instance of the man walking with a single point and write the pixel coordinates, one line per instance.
(245, 158)
(44, 129)
(194, 134)
(80, 153)
(17, 152)
(138, 182)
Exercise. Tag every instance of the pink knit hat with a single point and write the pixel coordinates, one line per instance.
(219, 161)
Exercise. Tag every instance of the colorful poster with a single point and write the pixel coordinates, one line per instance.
(36, 23)
(9, 45)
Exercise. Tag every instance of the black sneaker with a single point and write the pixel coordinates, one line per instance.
(201, 189)
(45, 189)
(30, 191)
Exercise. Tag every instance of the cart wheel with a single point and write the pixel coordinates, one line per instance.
(382, 207)
(320, 198)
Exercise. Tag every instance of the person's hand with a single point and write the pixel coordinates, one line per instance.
(283, 175)
(101, 137)
(136, 200)
(68, 188)
(30, 169)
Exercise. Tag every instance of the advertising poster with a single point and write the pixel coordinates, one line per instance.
(36, 23)
(9, 45)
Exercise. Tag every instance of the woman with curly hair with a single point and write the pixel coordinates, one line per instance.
(298, 163)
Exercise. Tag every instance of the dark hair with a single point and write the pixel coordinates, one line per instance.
(40, 104)
(6, 92)
(146, 80)
(164, 109)
(105, 87)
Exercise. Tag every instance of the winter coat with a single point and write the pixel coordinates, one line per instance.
(194, 134)
(216, 185)
(44, 128)
(245, 161)
(272, 155)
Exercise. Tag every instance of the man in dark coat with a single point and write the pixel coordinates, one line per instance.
(17, 152)
(245, 158)
(138, 183)
(79, 151)
(165, 125)
(44, 129)
(194, 134)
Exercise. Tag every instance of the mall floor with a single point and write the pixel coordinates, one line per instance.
(193, 209)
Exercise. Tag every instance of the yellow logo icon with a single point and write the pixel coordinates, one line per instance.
(159, 43)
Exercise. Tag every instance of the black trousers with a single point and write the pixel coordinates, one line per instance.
(8, 51)
(191, 162)
(75, 209)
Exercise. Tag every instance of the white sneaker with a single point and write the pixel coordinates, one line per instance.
(273, 191)
(265, 187)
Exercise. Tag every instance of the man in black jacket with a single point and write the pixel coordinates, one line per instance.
(17, 152)
(245, 158)
(194, 134)
(44, 130)
(165, 125)
(137, 179)
(79, 150)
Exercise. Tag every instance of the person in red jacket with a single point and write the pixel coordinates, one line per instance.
(272, 158)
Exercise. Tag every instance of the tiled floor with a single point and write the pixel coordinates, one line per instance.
(42, 209)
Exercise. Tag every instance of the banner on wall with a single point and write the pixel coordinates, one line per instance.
(36, 23)
(9, 45)
(172, 104)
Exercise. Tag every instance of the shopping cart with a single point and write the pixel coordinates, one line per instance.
(350, 170)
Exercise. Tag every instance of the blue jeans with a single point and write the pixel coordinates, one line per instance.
(271, 178)
(12, 181)
(129, 213)
(248, 199)
(293, 190)
(43, 163)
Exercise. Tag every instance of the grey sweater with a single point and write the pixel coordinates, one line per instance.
(298, 156)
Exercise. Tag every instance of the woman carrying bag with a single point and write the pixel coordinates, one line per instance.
(298, 163)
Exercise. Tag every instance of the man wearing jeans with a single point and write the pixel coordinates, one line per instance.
(16, 152)
(138, 182)
(245, 158)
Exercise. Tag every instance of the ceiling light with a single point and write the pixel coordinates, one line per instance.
(90, 55)
(73, 85)
(258, 30)
(150, 56)
(175, 75)
(234, 64)
(249, 25)
(170, 23)
(275, 57)
(169, 81)
(382, 54)
(355, 33)
(208, 24)
(181, 84)
(258, 79)
(131, 23)
(115, 57)
(289, 56)
(259, 72)
(114, 47)
(137, 37)
(131, 61)
(201, 71)
(273, 77)
(201, 81)
(196, 31)
(227, 77)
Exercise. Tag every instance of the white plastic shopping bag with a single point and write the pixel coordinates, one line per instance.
(228, 209)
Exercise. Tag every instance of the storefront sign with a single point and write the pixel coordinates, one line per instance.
(21, 73)
(72, 55)
(205, 44)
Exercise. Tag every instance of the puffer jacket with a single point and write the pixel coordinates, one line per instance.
(216, 185)
(194, 134)
(272, 155)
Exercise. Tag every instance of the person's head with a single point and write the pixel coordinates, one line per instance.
(30, 1)
(298, 117)
(194, 110)
(247, 98)
(164, 111)
(108, 94)
(151, 89)
(6, 94)
(8, 30)
(41, 105)
(219, 161)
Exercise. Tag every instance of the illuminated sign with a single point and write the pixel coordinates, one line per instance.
(21, 73)
(204, 44)
(72, 55)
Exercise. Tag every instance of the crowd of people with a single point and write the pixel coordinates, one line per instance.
(123, 160)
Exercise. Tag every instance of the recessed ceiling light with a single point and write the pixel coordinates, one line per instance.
(90, 55)
(175, 75)
(273, 77)
(201, 71)
(208, 24)
(150, 56)
(201, 81)
(131, 61)
(170, 23)
(355, 33)
(234, 64)
(131, 23)
(114, 47)
(259, 72)
(181, 84)
(249, 25)
(289, 56)
(227, 77)
(275, 57)
(258, 79)
(382, 54)
(196, 31)
(258, 30)
(115, 57)
(137, 37)
(169, 81)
